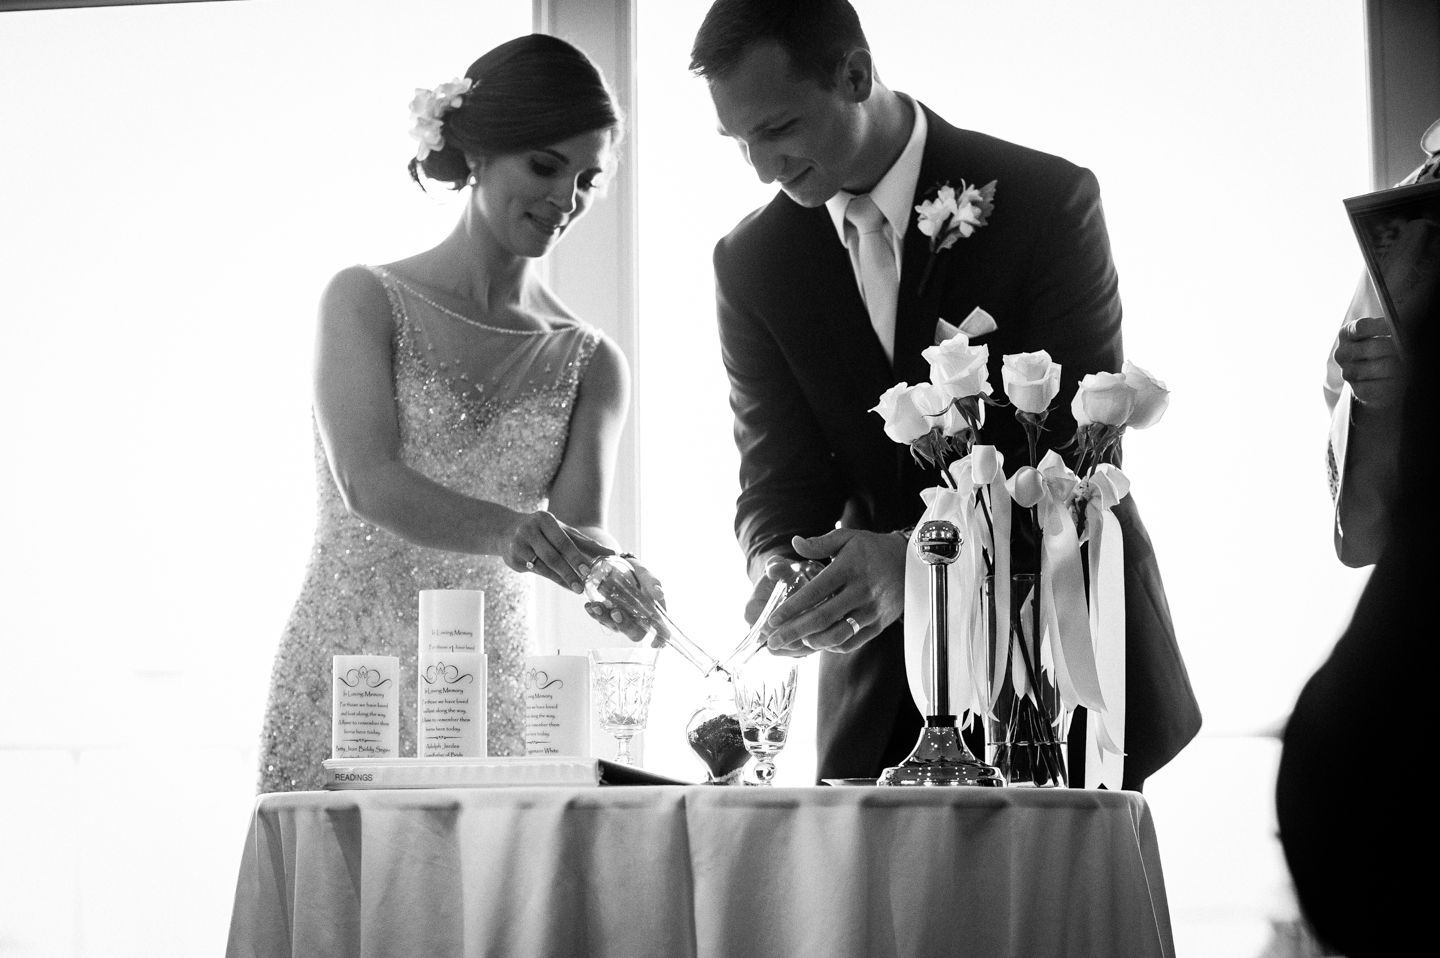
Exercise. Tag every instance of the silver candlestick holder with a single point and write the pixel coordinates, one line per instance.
(940, 756)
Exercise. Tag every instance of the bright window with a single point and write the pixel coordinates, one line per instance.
(177, 183)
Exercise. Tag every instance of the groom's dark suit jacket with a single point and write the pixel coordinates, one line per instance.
(805, 367)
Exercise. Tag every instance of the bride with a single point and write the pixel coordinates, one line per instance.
(467, 421)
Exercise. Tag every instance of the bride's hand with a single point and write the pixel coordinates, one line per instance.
(616, 620)
(542, 544)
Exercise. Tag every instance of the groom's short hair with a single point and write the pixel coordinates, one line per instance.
(817, 34)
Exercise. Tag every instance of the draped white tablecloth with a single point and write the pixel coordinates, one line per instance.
(702, 871)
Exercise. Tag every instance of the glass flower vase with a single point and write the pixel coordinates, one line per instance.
(1025, 733)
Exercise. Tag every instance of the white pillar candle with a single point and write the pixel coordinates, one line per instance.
(452, 701)
(452, 620)
(365, 707)
(452, 681)
(557, 705)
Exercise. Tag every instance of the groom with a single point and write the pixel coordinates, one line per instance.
(821, 309)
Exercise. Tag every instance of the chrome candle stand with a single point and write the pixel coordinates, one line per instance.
(940, 757)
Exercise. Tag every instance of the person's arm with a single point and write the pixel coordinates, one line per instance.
(359, 427)
(1073, 307)
(788, 485)
(581, 490)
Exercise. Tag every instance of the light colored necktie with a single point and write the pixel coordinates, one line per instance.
(866, 236)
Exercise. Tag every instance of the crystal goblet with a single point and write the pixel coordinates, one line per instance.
(764, 699)
(621, 680)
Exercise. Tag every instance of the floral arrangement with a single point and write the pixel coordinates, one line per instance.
(1078, 633)
(427, 114)
(950, 215)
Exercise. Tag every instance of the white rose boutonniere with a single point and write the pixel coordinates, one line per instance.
(952, 214)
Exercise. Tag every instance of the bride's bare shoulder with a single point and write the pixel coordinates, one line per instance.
(355, 295)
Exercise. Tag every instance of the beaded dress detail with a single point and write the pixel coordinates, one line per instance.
(497, 434)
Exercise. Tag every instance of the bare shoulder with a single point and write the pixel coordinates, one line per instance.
(608, 359)
(355, 297)
(607, 377)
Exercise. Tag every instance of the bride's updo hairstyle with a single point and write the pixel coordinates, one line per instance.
(528, 92)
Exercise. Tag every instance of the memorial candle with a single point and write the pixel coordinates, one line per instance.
(557, 705)
(365, 708)
(452, 620)
(452, 687)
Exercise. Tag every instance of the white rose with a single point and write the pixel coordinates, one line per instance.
(938, 408)
(1103, 398)
(958, 368)
(1151, 396)
(904, 421)
(1031, 380)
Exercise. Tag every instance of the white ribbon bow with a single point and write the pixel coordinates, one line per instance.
(1105, 731)
(979, 497)
(1063, 611)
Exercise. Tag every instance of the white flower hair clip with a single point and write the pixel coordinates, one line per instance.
(427, 111)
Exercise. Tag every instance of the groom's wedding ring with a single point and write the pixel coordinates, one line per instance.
(854, 626)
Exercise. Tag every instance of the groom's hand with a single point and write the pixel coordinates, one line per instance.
(859, 594)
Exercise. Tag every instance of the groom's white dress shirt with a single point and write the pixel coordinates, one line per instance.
(893, 196)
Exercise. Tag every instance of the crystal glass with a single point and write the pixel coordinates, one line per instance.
(621, 680)
(764, 700)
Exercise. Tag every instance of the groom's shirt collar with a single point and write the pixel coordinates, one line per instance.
(895, 193)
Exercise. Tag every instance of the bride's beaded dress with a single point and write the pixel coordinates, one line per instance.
(496, 433)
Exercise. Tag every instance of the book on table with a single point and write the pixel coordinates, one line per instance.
(348, 773)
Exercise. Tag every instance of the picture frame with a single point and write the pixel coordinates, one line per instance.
(1399, 234)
